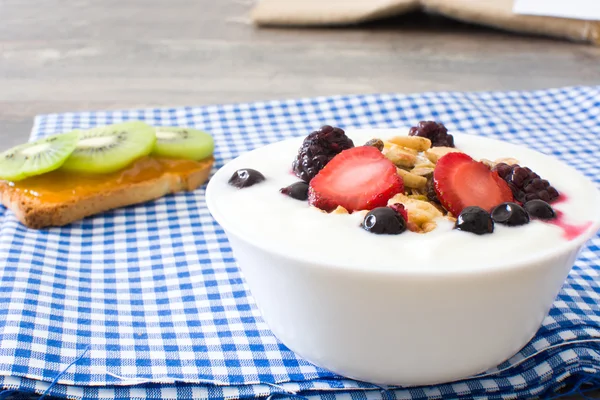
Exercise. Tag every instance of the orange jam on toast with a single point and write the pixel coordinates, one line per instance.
(60, 186)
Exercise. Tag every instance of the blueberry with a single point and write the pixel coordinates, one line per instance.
(245, 177)
(298, 191)
(540, 209)
(475, 220)
(510, 214)
(384, 220)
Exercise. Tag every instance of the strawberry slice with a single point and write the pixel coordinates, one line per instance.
(360, 178)
(460, 182)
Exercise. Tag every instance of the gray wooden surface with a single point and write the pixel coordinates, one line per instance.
(83, 54)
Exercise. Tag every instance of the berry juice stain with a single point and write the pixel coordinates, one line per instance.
(562, 198)
(570, 231)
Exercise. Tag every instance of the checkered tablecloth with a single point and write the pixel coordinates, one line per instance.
(150, 304)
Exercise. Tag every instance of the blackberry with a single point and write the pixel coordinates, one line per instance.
(318, 149)
(434, 131)
(525, 184)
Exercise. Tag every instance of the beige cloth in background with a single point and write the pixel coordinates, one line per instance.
(496, 13)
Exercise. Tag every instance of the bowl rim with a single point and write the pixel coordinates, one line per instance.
(536, 257)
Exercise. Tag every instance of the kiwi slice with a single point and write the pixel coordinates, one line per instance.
(36, 158)
(183, 143)
(110, 148)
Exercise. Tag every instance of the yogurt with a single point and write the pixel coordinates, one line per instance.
(262, 215)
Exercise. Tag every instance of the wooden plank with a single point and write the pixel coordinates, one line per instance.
(117, 54)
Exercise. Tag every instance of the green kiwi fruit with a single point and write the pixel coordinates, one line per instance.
(36, 158)
(183, 143)
(110, 148)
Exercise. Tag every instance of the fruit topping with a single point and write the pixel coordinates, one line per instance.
(298, 191)
(525, 184)
(461, 181)
(434, 131)
(420, 212)
(510, 214)
(110, 148)
(421, 178)
(430, 192)
(357, 179)
(400, 209)
(377, 143)
(475, 220)
(384, 221)
(37, 158)
(318, 149)
(245, 177)
(183, 143)
(539, 209)
(506, 160)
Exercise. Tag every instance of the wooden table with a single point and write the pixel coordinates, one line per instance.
(79, 55)
(84, 54)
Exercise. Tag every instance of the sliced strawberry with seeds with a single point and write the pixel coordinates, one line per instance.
(360, 178)
(461, 181)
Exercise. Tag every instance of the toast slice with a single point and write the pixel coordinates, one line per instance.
(36, 213)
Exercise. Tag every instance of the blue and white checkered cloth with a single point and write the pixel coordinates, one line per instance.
(150, 304)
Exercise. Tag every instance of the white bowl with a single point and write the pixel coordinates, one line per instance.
(403, 326)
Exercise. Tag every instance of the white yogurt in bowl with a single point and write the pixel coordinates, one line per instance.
(295, 229)
(399, 309)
